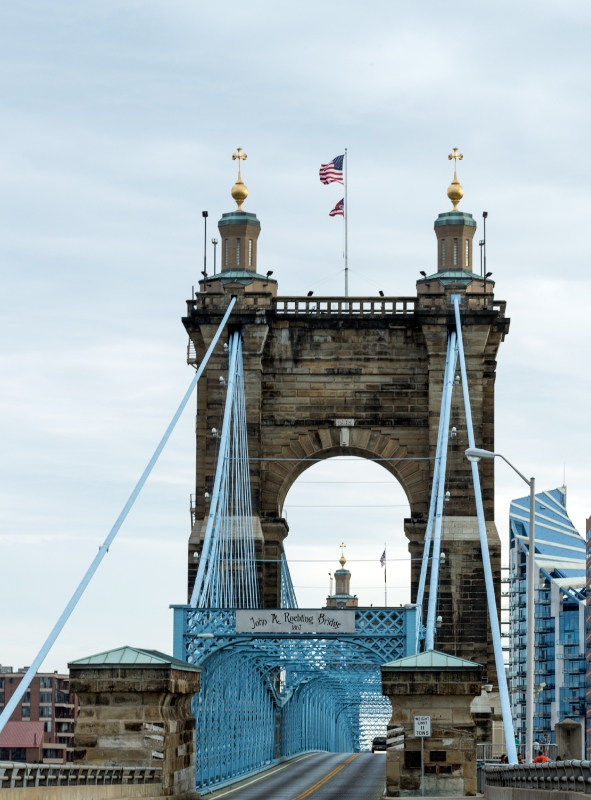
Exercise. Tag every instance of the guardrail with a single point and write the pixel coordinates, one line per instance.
(572, 776)
(18, 775)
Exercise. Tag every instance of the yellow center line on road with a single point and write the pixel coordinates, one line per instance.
(326, 778)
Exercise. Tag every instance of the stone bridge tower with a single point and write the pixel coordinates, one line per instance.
(362, 376)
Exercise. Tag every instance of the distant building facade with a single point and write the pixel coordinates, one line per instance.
(48, 701)
(560, 585)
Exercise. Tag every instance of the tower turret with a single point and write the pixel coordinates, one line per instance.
(342, 598)
(454, 231)
(239, 233)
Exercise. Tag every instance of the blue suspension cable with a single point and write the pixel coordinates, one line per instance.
(435, 560)
(488, 576)
(104, 549)
(226, 577)
(441, 434)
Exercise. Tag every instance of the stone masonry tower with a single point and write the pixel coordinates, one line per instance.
(316, 367)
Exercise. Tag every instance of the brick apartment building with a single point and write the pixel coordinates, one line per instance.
(48, 701)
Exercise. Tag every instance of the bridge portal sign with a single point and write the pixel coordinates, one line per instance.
(294, 620)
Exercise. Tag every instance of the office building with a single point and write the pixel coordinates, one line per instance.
(560, 596)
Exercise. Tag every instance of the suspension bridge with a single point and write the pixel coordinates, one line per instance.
(407, 382)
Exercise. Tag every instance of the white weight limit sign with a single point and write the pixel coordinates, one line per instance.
(423, 726)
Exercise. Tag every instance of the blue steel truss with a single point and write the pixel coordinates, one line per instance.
(268, 696)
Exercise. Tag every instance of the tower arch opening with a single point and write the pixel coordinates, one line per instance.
(355, 502)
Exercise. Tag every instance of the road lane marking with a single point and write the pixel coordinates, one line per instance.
(326, 778)
(268, 774)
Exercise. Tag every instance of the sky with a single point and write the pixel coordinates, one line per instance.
(118, 123)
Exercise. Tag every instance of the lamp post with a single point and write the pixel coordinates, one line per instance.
(475, 454)
(215, 244)
(204, 214)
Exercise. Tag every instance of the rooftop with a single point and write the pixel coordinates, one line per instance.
(134, 657)
(560, 548)
(22, 734)
(431, 659)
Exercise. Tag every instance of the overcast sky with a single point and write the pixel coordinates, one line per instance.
(119, 119)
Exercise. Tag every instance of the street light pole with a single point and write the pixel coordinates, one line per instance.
(475, 454)
(530, 677)
(215, 244)
(204, 214)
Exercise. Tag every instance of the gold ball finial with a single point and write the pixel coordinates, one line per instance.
(239, 191)
(455, 191)
(342, 559)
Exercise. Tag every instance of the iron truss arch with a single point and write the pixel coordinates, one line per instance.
(268, 696)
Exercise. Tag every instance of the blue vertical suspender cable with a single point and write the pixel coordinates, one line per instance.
(435, 559)
(104, 548)
(488, 577)
(205, 582)
(441, 439)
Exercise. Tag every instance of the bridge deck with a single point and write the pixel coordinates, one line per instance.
(321, 776)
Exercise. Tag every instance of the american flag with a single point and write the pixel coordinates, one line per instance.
(339, 209)
(333, 171)
(383, 559)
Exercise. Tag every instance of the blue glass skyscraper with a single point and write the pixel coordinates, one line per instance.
(560, 591)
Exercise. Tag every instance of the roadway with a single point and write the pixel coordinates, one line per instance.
(321, 776)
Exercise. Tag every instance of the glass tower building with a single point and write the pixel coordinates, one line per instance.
(560, 592)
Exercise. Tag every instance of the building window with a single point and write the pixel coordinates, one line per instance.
(45, 683)
(27, 696)
(467, 253)
(250, 252)
(455, 252)
(44, 711)
(226, 251)
(47, 726)
(26, 712)
(1, 683)
(52, 752)
(237, 252)
(443, 252)
(4, 754)
(18, 754)
(1, 698)
(45, 697)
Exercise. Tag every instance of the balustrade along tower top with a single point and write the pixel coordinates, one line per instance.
(356, 376)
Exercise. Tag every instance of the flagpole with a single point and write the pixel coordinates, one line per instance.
(346, 233)
(385, 571)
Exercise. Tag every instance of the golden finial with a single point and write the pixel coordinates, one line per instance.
(239, 190)
(342, 559)
(455, 191)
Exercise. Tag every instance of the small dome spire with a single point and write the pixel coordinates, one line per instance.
(342, 559)
(455, 191)
(239, 191)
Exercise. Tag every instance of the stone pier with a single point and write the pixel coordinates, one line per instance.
(442, 687)
(135, 711)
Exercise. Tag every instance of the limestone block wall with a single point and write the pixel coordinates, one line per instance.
(137, 717)
(304, 371)
(450, 751)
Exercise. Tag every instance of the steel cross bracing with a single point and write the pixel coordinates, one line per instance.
(274, 695)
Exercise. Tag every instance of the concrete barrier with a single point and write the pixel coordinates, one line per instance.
(20, 781)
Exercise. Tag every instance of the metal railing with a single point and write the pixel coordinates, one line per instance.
(331, 306)
(14, 775)
(493, 752)
(573, 776)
